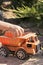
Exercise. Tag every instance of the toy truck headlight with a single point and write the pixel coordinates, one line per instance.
(29, 45)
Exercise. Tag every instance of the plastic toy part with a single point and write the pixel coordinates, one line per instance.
(0, 44)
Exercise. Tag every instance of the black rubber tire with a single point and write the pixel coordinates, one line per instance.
(3, 52)
(21, 53)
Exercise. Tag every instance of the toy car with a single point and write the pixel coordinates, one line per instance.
(21, 45)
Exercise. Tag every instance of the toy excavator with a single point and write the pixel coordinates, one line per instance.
(13, 39)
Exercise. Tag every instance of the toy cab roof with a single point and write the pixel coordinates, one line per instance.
(28, 35)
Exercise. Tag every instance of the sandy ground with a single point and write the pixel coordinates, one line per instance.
(34, 60)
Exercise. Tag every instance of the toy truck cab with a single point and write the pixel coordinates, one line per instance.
(31, 43)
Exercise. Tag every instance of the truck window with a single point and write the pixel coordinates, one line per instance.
(36, 38)
(31, 39)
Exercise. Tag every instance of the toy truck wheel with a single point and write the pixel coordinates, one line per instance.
(21, 54)
(3, 52)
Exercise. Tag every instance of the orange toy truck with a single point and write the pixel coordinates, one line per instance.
(14, 40)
